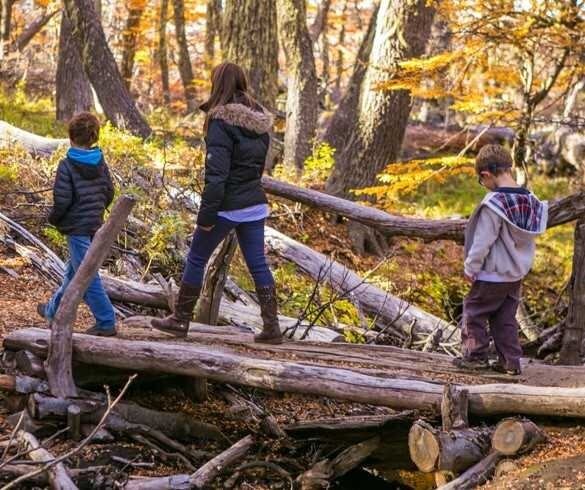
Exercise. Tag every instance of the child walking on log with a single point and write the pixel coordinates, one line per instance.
(237, 138)
(499, 251)
(83, 190)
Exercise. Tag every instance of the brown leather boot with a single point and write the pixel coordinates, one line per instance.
(271, 333)
(178, 323)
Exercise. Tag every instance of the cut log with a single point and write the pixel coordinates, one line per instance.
(59, 360)
(324, 472)
(74, 422)
(29, 364)
(456, 450)
(59, 478)
(22, 384)
(504, 467)
(372, 299)
(226, 366)
(454, 408)
(514, 435)
(477, 474)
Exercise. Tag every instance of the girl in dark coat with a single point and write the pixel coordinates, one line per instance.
(237, 140)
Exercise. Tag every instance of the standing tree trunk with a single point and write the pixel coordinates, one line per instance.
(250, 39)
(376, 134)
(162, 51)
(340, 125)
(101, 69)
(130, 38)
(73, 91)
(573, 335)
(185, 68)
(213, 29)
(5, 25)
(302, 100)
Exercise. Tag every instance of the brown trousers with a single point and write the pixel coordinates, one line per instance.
(494, 303)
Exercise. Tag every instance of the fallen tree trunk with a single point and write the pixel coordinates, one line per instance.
(226, 366)
(456, 450)
(477, 474)
(561, 211)
(372, 299)
(34, 144)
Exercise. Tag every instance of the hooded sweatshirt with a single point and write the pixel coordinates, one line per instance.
(82, 191)
(500, 237)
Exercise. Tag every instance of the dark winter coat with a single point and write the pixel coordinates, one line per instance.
(237, 145)
(81, 194)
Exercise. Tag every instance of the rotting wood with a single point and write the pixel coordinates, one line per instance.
(58, 365)
(513, 435)
(59, 478)
(324, 472)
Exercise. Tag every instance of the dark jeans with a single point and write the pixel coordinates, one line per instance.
(95, 296)
(494, 303)
(251, 239)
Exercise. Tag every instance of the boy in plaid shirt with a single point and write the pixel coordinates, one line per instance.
(499, 251)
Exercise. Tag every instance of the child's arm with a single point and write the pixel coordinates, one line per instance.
(62, 194)
(486, 233)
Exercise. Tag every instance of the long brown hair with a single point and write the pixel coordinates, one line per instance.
(229, 84)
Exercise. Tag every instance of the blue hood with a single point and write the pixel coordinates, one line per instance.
(92, 157)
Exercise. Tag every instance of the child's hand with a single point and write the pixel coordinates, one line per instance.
(470, 279)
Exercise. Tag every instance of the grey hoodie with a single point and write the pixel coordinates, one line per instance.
(500, 235)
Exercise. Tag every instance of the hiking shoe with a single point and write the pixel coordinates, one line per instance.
(499, 368)
(41, 310)
(471, 364)
(100, 332)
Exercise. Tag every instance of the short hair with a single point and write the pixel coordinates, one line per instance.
(493, 158)
(84, 129)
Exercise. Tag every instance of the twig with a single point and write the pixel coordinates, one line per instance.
(27, 451)
(87, 440)
(12, 434)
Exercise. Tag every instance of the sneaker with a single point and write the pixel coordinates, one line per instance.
(100, 332)
(471, 364)
(41, 310)
(499, 368)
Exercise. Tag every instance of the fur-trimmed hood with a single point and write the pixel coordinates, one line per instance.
(243, 117)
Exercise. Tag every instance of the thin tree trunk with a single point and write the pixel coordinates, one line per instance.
(341, 122)
(34, 28)
(250, 39)
(73, 91)
(375, 138)
(302, 101)
(101, 68)
(162, 51)
(573, 335)
(130, 38)
(185, 68)
(5, 25)
(213, 29)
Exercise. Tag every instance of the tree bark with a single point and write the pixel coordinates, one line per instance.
(34, 28)
(226, 366)
(454, 408)
(340, 125)
(302, 100)
(162, 51)
(320, 22)
(101, 68)
(73, 91)
(250, 39)
(454, 451)
(477, 474)
(376, 133)
(5, 25)
(185, 67)
(213, 29)
(514, 436)
(59, 361)
(573, 333)
(130, 39)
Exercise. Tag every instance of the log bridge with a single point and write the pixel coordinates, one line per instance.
(373, 374)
